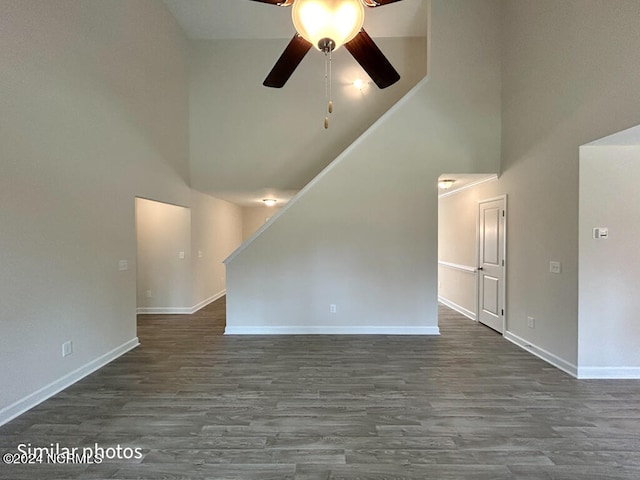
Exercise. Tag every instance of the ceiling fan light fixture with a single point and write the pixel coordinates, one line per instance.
(337, 20)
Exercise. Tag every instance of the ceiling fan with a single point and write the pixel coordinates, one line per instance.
(328, 24)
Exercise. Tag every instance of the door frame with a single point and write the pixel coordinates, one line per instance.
(504, 256)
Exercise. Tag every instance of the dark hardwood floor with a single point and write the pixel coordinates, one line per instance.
(464, 405)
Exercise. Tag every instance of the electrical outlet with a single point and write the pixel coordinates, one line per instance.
(200, 254)
(181, 255)
(149, 294)
(531, 322)
(123, 265)
(333, 308)
(67, 348)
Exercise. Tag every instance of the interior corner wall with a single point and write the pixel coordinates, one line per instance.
(216, 232)
(205, 234)
(379, 265)
(94, 111)
(253, 218)
(609, 331)
(163, 233)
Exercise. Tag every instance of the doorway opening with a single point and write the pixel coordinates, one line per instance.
(163, 244)
(472, 249)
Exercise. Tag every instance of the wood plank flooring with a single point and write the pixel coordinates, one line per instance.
(464, 405)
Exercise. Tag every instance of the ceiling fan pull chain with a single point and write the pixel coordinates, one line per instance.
(330, 93)
(326, 87)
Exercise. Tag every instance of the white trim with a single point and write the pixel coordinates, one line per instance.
(19, 407)
(543, 354)
(180, 310)
(457, 266)
(329, 330)
(454, 306)
(491, 178)
(628, 373)
(208, 301)
(163, 310)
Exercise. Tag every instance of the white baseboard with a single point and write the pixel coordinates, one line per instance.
(180, 310)
(163, 310)
(541, 353)
(19, 407)
(454, 306)
(330, 330)
(207, 301)
(628, 373)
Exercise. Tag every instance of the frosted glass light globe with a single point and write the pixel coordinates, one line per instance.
(338, 20)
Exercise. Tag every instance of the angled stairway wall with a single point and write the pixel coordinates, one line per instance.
(363, 234)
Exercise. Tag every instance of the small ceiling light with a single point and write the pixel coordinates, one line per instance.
(446, 184)
(358, 83)
(269, 202)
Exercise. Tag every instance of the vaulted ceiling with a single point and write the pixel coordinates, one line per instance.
(249, 142)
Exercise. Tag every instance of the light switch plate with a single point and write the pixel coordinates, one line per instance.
(601, 233)
(67, 348)
(555, 267)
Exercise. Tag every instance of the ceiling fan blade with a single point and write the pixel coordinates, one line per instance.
(280, 3)
(377, 3)
(372, 60)
(288, 62)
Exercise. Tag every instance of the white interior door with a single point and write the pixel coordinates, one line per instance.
(491, 255)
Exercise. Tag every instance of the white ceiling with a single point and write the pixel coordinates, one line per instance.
(245, 19)
(463, 181)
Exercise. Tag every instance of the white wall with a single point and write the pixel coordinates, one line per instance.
(163, 231)
(609, 331)
(363, 235)
(277, 134)
(93, 111)
(216, 231)
(567, 80)
(253, 218)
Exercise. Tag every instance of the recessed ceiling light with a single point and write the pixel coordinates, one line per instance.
(446, 184)
(270, 202)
